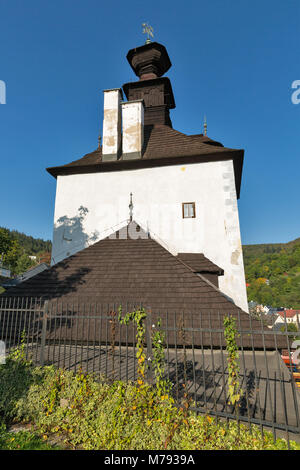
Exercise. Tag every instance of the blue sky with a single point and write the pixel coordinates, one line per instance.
(233, 60)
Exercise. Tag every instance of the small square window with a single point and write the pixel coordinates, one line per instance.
(188, 210)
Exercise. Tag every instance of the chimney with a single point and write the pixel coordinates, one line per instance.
(133, 129)
(111, 144)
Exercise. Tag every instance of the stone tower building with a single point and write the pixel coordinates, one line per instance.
(182, 189)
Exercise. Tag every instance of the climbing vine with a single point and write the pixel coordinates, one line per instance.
(234, 387)
(138, 317)
(158, 361)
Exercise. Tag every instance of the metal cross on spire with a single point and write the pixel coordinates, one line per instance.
(147, 29)
(205, 126)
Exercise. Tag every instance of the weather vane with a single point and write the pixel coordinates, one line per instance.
(147, 29)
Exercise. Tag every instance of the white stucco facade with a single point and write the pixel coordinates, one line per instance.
(90, 207)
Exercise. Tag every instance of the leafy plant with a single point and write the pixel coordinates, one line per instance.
(231, 334)
(163, 385)
(82, 413)
(138, 317)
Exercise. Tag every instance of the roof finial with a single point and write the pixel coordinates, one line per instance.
(205, 126)
(130, 208)
(99, 141)
(147, 29)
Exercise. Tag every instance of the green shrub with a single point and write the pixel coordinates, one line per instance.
(15, 381)
(87, 414)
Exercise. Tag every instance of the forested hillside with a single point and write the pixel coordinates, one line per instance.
(31, 245)
(273, 273)
(16, 249)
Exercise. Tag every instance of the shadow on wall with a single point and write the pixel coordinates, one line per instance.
(70, 236)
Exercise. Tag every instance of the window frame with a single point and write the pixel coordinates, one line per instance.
(193, 204)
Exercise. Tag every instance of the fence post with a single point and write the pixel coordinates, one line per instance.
(44, 330)
(149, 345)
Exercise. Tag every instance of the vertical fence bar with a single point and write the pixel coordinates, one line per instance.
(167, 342)
(203, 363)
(12, 313)
(221, 326)
(76, 332)
(61, 316)
(18, 331)
(100, 340)
(149, 345)
(176, 358)
(37, 308)
(213, 367)
(245, 374)
(268, 390)
(194, 360)
(30, 327)
(183, 337)
(120, 345)
(94, 336)
(127, 358)
(87, 349)
(291, 373)
(7, 319)
(44, 331)
(256, 378)
(106, 340)
(49, 325)
(65, 335)
(281, 384)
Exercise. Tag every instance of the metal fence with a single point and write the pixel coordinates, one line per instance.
(89, 337)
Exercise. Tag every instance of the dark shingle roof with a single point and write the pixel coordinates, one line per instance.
(126, 267)
(138, 270)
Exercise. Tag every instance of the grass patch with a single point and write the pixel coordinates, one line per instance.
(23, 440)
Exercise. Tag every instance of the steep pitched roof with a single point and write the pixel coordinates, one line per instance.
(138, 269)
(162, 146)
(124, 269)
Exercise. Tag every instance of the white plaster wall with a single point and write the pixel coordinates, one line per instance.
(90, 207)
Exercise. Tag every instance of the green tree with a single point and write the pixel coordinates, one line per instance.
(5, 241)
(23, 264)
(10, 250)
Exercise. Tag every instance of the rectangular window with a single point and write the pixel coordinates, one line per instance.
(188, 210)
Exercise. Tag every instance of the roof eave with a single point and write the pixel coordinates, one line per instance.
(119, 165)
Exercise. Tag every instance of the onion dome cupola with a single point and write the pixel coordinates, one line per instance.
(149, 62)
